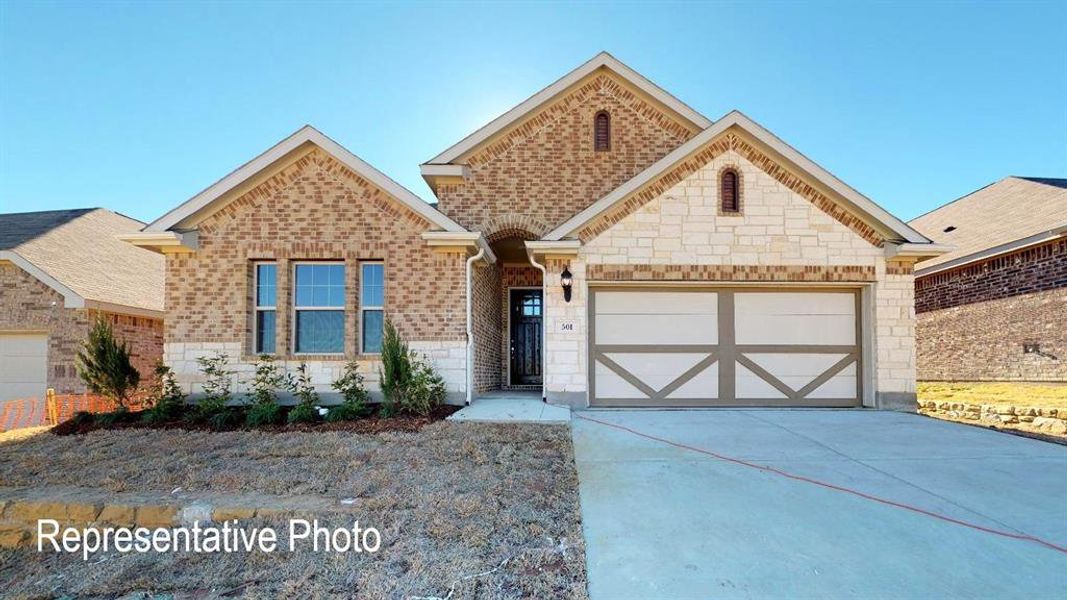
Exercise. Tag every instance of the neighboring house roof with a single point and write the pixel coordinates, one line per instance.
(540, 98)
(1004, 216)
(860, 204)
(202, 203)
(78, 253)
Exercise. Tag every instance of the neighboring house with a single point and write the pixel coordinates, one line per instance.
(59, 270)
(710, 263)
(995, 308)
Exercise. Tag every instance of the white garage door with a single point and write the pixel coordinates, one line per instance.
(23, 365)
(724, 347)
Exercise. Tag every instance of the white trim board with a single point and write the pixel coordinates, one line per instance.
(603, 59)
(306, 134)
(736, 118)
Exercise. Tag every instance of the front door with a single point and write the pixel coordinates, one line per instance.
(525, 337)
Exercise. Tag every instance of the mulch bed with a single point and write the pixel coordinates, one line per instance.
(370, 424)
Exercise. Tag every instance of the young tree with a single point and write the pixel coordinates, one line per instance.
(104, 365)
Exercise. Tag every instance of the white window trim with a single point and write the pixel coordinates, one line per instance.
(364, 307)
(258, 309)
(295, 309)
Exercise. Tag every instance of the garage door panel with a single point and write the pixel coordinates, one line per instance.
(656, 329)
(796, 329)
(787, 348)
(23, 365)
(671, 303)
(611, 385)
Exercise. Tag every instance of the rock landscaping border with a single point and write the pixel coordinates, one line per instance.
(1034, 419)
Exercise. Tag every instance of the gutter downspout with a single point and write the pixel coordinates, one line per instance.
(544, 325)
(470, 332)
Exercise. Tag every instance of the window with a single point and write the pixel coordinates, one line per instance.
(266, 286)
(729, 193)
(371, 303)
(602, 132)
(319, 308)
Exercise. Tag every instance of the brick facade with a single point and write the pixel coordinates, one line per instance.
(314, 209)
(974, 320)
(544, 170)
(27, 305)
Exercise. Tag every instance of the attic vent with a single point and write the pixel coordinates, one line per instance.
(950, 228)
(602, 132)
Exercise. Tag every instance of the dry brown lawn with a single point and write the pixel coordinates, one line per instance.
(1018, 394)
(452, 501)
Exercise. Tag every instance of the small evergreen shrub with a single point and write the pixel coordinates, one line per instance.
(307, 398)
(409, 383)
(266, 382)
(354, 394)
(166, 398)
(218, 391)
(104, 365)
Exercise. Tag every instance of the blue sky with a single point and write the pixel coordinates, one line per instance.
(138, 106)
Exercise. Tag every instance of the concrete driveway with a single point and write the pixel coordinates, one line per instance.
(664, 522)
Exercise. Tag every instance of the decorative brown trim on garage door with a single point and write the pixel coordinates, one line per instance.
(726, 354)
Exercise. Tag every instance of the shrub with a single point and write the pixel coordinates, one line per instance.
(409, 383)
(354, 395)
(395, 372)
(307, 397)
(425, 391)
(104, 365)
(218, 390)
(166, 398)
(264, 392)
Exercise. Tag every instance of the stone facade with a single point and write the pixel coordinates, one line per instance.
(27, 305)
(313, 209)
(780, 236)
(975, 320)
(544, 170)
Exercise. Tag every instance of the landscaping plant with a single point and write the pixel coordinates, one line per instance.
(354, 394)
(395, 372)
(166, 397)
(218, 391)
(104, 365)
(409, 383)
(268, 379)
(307, 398)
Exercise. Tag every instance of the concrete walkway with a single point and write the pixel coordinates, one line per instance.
(512, 407)
(664, 522)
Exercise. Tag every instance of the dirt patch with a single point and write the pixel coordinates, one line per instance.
(370, 424)
(490, 509)
(1050, 395)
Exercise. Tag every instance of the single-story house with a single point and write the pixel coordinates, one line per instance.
(995, 307)
(602, 242)
(59, 271)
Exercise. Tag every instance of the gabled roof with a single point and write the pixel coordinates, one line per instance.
(77, 253)
(201, 203)
(860, 205)
(1003, 216)
(540, 98)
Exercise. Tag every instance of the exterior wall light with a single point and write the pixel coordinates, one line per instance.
(566, 280)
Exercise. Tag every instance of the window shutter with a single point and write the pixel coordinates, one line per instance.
(602, 132)
(729, 192)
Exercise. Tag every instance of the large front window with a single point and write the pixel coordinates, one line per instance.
(319, 308)
(266, 300)
(371, 304)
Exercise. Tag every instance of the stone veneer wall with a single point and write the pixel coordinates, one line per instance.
(780, 236)
(28, 305)
(314, 209)
(545, 170)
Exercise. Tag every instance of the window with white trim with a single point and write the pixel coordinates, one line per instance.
(319, 308)
(266, 286)
(372, 306)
